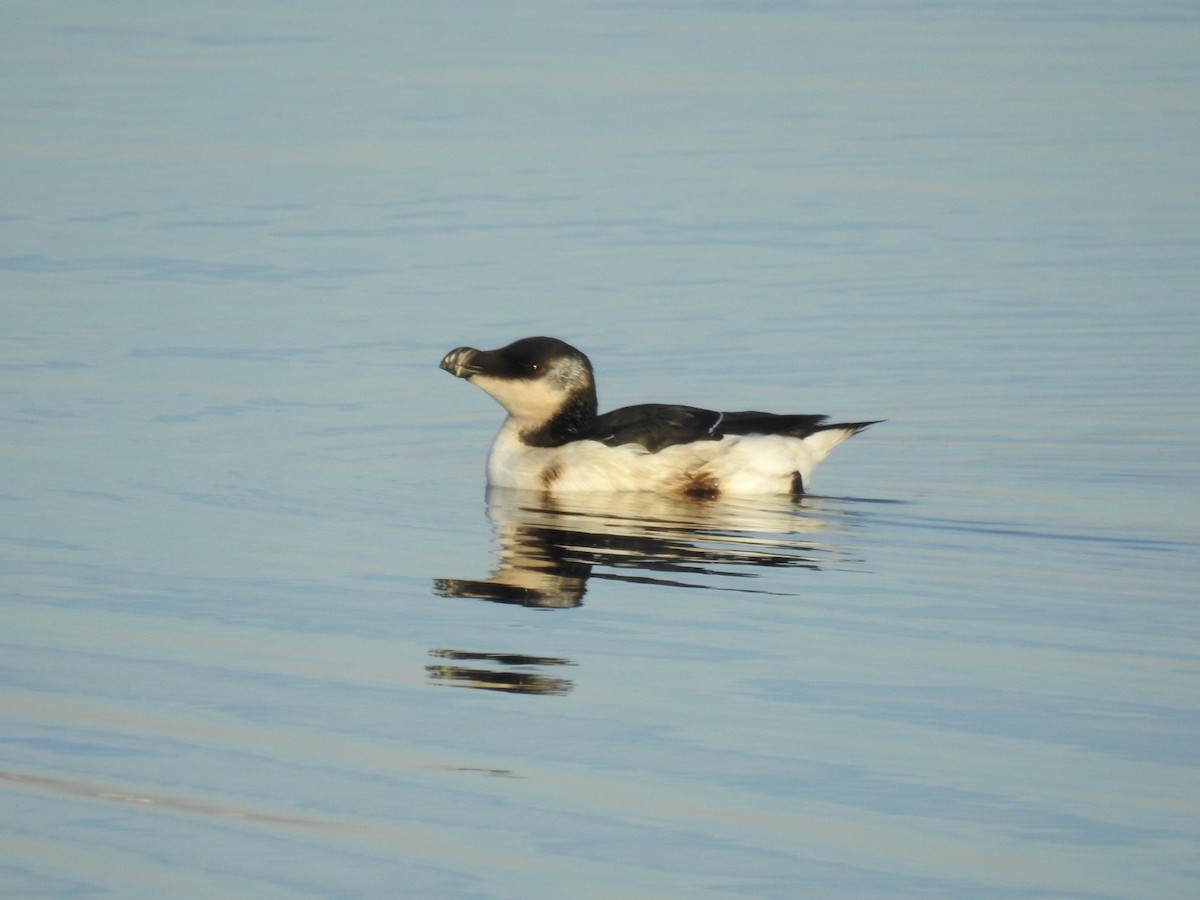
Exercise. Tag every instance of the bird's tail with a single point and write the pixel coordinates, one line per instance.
(826, 437)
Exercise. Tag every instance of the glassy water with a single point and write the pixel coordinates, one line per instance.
(264, 632)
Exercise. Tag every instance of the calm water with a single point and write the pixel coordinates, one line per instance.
(264, 634)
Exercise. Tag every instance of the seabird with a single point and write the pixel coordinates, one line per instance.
(554, 441)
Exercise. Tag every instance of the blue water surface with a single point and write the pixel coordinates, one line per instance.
(265, 634)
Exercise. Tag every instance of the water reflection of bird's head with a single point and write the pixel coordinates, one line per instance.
(550, 547)
(512, 673)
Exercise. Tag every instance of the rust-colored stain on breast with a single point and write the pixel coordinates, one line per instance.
(550, 474)
(701, 484)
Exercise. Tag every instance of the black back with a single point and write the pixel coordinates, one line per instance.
(659, 425)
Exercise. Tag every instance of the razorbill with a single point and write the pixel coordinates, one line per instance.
(554, 441)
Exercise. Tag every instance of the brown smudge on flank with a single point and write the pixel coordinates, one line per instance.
(701, 485)
(550, 474)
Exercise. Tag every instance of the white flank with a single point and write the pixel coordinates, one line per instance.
(733, 466)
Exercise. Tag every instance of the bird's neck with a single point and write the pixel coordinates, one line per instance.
(570, 423)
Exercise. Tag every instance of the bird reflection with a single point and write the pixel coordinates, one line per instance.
(550, 547)
(516, 679)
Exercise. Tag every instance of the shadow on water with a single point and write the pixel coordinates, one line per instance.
(548, 549)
